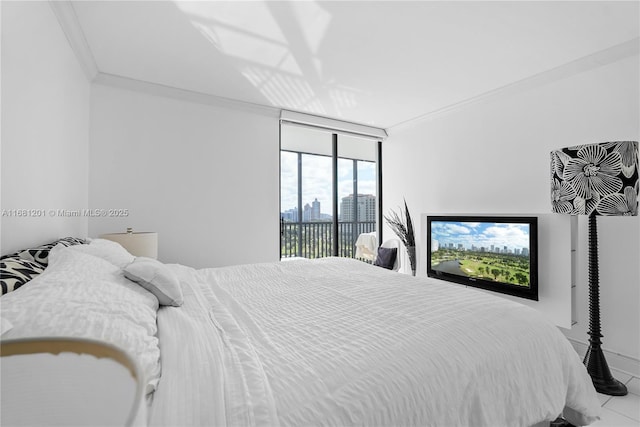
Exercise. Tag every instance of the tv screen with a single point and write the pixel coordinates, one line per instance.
(495, 253)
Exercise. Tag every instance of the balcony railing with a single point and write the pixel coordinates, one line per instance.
(315, 239)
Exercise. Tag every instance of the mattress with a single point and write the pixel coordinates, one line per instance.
(336, 341)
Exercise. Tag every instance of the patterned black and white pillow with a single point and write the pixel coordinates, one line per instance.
(15, 272)
(41, 253)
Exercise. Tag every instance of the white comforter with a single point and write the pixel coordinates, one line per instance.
(339, 342)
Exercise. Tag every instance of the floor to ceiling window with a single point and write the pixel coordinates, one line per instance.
(328, 191)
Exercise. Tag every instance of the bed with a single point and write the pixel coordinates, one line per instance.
(332, 341)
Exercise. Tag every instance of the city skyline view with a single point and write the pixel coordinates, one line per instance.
(316, 181)
(366, 210)
(481, 235)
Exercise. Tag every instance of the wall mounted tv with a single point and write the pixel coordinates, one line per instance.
(497, 253)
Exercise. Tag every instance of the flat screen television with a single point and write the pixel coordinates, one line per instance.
(497, 253)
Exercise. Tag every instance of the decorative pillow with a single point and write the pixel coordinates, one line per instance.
(107, 250)
(386, 257)
(41, 253)
(155, 277)
(13, 255)
(15, 272)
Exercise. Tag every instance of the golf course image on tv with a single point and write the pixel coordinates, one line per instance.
(496, 253)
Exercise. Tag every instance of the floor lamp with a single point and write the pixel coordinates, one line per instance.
(596, 180)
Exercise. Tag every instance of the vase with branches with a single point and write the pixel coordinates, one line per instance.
(402, 226)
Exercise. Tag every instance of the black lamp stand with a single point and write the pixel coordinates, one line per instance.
(594, 359)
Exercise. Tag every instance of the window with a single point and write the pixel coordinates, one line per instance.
(328, 191)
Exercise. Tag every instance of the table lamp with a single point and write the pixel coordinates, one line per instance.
(137, 243)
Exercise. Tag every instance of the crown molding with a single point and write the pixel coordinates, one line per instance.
(73, 31)
(586, 63)
(156, 89)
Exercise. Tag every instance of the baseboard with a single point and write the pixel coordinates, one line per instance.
(620, 362)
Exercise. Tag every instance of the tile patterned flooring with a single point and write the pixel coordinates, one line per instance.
(621, 411)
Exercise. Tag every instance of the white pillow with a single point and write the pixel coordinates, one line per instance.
(84, 296)
(107, 250)
(155, 277)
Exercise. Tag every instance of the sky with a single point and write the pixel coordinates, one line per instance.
(514, 236)
(316, 180)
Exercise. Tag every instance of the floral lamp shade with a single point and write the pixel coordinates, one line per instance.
(596, 179)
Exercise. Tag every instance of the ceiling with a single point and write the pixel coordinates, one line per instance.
(380, 63)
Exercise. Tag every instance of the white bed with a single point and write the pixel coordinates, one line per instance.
(326, 342)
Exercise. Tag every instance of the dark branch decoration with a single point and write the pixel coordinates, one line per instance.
(402, 226)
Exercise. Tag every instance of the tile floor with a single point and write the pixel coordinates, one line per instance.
(621, 411)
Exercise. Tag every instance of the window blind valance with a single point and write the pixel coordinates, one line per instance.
(333, 125)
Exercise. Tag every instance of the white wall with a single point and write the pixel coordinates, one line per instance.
(493, 157)
(45, 128)
(554, 265)
(205, 178)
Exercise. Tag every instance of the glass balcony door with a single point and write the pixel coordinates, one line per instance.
(306, 193)
(328, 192)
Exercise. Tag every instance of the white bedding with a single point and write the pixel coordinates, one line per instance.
(339, 342)
(83, 296)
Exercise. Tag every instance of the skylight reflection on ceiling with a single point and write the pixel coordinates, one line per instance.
(252, 15)
(252, 35)
(316, 22)
(283, 89)
(274, 45)
(342, 99)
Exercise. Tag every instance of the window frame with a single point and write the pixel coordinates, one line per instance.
(335, 235)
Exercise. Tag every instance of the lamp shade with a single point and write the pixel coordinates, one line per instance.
(136, 243)
(595, 179)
